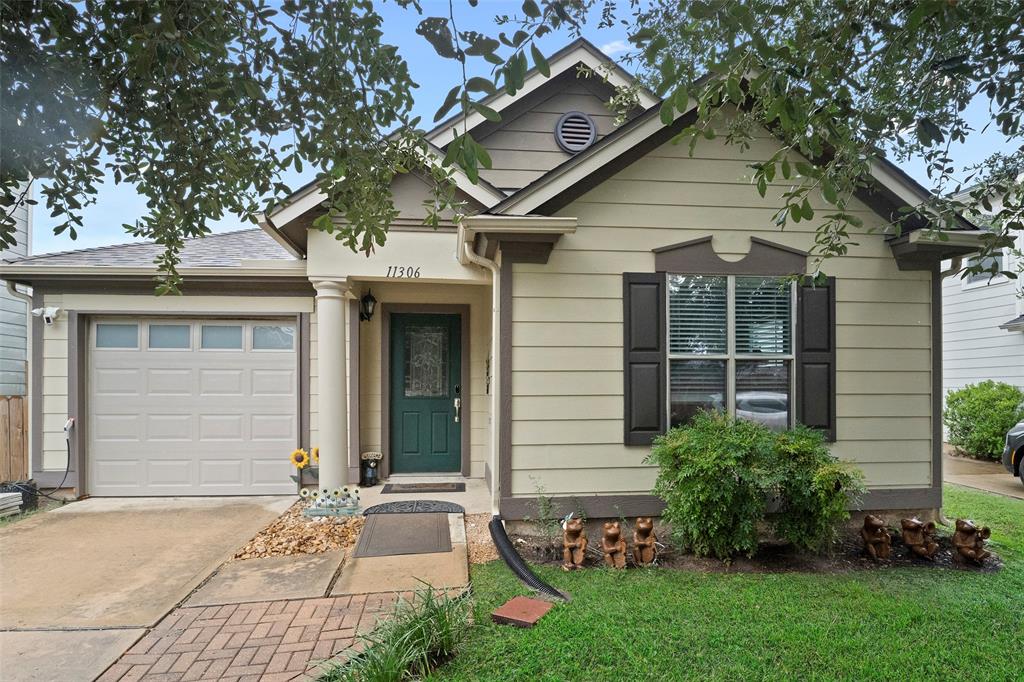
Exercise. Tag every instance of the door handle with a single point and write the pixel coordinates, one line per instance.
(458, 408)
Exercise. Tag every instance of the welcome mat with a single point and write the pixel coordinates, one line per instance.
(394, 534)
(393, 488)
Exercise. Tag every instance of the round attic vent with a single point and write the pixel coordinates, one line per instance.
(575, 131)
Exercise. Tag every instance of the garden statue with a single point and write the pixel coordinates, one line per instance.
(614, 545)
(969, 541)
(877, 542)
(920, 537)
(644, 547)
(574, 543)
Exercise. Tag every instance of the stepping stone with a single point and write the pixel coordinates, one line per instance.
(522, 612)
(299, 576)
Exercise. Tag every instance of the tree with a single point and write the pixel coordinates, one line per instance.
(840, 82)
(201, 104)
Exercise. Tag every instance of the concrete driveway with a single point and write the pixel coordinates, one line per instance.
(981, 475)
(80, 583)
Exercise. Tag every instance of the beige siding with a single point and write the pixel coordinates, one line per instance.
(524, 147)
(567, 325)
(478, 298)
(54, 393)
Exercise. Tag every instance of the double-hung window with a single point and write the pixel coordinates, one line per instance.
(730, 347)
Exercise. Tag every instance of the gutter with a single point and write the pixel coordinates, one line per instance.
(467, 254)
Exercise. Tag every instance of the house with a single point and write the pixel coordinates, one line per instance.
(602, 286)
(983, 322)
(14, 313)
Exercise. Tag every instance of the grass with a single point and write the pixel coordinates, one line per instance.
(656, 624)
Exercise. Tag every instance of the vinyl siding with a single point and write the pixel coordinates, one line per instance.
(14, 316)
(54, 393)
(523, 148)
(567, 383)
(974, 347)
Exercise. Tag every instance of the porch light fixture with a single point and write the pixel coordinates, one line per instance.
(366, 306)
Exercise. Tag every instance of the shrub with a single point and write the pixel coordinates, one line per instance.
(409, 644)
(979, 415)
(717, 474)
(711, 479)
(814, 489)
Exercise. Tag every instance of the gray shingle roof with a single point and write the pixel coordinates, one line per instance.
(226, 249)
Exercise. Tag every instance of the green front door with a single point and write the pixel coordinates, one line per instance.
(426, 362)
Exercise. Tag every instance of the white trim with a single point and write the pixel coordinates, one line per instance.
(584, 52)
(95, 270)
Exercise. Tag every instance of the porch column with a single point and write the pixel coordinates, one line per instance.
(333, 404)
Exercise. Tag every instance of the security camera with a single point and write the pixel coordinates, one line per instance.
(49, 314)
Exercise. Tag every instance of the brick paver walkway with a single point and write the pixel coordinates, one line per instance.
(268, 641)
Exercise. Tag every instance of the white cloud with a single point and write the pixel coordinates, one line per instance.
(615, 47)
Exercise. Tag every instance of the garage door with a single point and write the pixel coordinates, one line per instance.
(191, 407)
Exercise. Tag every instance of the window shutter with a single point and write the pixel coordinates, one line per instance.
(644, 347)
(816, 357)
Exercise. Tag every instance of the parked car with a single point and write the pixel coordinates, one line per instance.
(1013, 453)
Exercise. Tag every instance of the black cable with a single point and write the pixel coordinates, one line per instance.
(38, 491)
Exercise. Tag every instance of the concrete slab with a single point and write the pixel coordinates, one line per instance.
(988, 476)
(66, 655)
(404, 572)
(300, 576)
(475, 500)
(119, 562)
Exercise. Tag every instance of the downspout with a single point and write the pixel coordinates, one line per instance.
(955, 264)
(472, 257)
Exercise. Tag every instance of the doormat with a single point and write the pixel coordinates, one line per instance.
(394, 534)
(393, 488)
(415, 507)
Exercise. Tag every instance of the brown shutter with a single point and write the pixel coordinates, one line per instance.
(644, 346)
(816, 356)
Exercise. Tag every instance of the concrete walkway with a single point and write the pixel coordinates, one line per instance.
(988, 476)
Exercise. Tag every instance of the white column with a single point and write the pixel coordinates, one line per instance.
(333, 403)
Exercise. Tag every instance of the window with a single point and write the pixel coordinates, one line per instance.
(273, 337)
(426, 362)
(170, 336)
(730, 347)
(222, 337)
(117, 336)
(991, 267)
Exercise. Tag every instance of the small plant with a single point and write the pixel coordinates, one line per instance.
(548, 520)
(417, 637)
(979, 415)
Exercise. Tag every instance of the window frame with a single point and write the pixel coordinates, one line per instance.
(175, 323)
(730, 357)
(985, 279)
(242, 348)
(100, 323)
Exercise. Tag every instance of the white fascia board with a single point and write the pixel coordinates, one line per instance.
(891, 181)
(484, 224)
(949, 237)
(617, 78)
(267, 226)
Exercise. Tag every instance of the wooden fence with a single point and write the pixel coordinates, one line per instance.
(13, 438)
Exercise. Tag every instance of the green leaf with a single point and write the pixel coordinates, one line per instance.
(530, 9)
(488, 113)
(786, 170)
(806, 212)
(828, 191)
(478, 84)
(762, 185)
(449, 102)
(540, 61)
(668, 112)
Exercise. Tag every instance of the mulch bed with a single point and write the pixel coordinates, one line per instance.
(847, 555)
(292, 533)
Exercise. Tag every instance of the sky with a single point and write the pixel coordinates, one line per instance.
(118, 204)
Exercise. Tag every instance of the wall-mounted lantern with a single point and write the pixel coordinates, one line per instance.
(366, 306)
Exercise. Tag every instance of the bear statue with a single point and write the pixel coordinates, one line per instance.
(877, 542)
(614, 545)
(645, 549)
(969, 541)
(920, 537)
(574, 544)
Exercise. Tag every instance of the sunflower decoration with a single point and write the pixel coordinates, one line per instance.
(314, 454)
(299, 458)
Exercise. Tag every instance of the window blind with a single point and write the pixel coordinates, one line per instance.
(763, 306)
(697, 314)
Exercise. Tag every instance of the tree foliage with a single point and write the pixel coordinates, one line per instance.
(201, 105)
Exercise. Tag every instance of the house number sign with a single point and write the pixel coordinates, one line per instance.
(403, 272)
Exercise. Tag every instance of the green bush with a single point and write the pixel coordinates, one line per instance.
(717, 474)
(409, 644)
(979, 415)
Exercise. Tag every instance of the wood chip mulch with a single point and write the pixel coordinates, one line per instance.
(478, 539)
(293, 533)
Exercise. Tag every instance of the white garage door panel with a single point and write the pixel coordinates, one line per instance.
(191, 422)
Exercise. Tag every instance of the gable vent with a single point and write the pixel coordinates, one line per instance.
(575, 131)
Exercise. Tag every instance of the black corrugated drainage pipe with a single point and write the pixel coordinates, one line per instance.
(516, 563)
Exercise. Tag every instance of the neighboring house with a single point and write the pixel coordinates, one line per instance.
(603, 287)
(14, 314)
(983, 323)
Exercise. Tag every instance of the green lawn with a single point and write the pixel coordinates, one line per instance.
(900, 624)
